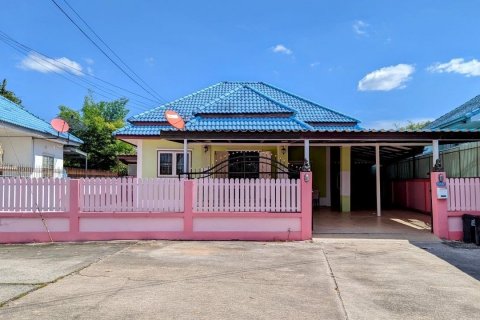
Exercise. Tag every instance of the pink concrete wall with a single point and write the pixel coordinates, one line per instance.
(187, 225)
(446, 224)
(412, 194)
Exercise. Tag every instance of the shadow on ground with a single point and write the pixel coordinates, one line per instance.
(465, 257)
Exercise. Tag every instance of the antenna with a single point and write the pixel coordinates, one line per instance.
(60, 125)
(174, 119)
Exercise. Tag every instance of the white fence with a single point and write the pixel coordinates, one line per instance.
(247, 195)
(463, 194)
(34, 194)
(131, 195)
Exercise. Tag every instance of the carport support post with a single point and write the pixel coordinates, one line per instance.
(435, 151)
(345, 177)
(185, 154)
(306, 151)
(377, 180)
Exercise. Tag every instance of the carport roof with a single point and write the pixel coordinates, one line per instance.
(324, 135)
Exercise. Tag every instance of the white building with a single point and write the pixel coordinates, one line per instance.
(29, 146)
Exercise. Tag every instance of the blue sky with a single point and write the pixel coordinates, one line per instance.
(382, 62)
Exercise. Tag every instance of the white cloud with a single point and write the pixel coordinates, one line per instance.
(37, 62)
(89, 61)
(458, 65)
(387, 78)
(360, 27)
(392, 124)
(280, 48)
(314, 64)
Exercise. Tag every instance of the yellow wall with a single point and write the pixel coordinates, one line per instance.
(200, 158)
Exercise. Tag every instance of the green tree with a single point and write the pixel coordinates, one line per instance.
(9, 94)
(95, 124)
(413, 125)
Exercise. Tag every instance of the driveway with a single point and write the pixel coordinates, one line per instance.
(322, 279)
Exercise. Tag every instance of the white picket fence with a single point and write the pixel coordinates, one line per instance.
(34, 194)
(247, 195)
(463, 194)
(131, 195)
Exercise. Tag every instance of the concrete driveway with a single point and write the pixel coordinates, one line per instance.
(323, 279)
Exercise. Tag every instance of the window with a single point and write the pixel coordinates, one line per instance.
(47, 166)
(170, 163)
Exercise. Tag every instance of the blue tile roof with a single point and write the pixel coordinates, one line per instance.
(247, 124)
(232, 106)
(458, 114)
(16, 115)
(243, 100)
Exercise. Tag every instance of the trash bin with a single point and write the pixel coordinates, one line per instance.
(477, 231)
(468, 228)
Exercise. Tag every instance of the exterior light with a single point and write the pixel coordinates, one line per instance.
(284, 150)
(205, 148)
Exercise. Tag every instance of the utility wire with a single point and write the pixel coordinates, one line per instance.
(43, 61)
(112, 51)
(103, 51)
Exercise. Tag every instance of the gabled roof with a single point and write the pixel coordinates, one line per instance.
(461, 113)
(240, 106)
(14, 114)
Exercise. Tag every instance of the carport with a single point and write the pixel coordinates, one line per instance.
(355, 187)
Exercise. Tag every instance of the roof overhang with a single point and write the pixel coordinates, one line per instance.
(360, 136)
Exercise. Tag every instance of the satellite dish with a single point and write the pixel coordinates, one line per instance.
(60, 125)
(174, 119)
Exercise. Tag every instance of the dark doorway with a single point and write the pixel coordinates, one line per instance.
(243, 164)
(335, 178)
(363, 193)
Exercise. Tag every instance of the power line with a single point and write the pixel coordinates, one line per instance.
(103, 51)
(24, 50)
(112, 51)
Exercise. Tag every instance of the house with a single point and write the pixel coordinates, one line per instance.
(237, 107)
(255, 130)
(29, 146)
(458, 159)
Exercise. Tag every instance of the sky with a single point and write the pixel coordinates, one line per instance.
(382, 62)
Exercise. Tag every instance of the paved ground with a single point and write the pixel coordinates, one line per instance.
(393, 224)
(323, 279)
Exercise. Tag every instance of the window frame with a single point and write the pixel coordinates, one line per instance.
(174, 153)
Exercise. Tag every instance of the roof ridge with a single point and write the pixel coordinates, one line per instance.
(223, 96)
(283, 105)
(440, 120)
(174, 101)
(302, 123)
(308, 101)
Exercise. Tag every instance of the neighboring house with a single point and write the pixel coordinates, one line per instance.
(29, 146)
(255, 130)
(459, 160)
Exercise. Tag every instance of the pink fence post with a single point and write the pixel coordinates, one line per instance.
(439, 208)
(188, 207)
(74, 207)
(306, 194)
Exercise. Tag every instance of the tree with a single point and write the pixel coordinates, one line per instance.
(95, 124)
(9, 94)
(413, 125)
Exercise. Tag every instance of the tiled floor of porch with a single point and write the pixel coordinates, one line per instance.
(393, 224)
